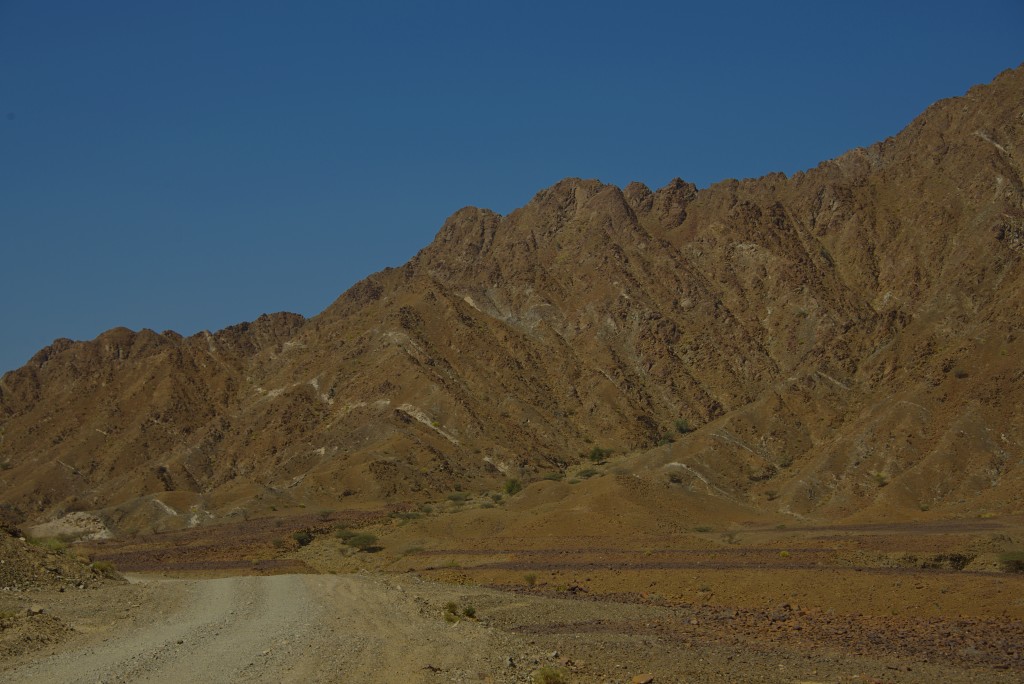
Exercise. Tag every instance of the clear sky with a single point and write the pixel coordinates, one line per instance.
(189, 165)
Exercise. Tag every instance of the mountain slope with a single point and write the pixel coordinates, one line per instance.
(846, 342)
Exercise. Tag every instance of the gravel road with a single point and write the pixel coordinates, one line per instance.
(287, 628)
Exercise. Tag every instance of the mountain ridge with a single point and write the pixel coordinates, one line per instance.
(796, 321)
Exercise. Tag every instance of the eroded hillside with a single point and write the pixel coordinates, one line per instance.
(841, 343)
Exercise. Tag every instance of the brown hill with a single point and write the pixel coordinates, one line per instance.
(844, 342)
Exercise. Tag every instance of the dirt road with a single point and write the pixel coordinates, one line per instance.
(392, 628)
(300, 628)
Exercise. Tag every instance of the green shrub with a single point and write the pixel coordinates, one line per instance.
(1012, 561)
(703, 528)
(496, 498)
(549, 675)
(531, 579)
(105, 568)
(51, 544)
(589, 472)
(513, 486)
(554, 476)
(362, 541)
(682, 427)
(599, 455)
(303, 537)
(469, 611)
(343, 533)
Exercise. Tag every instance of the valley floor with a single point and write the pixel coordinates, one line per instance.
(374, 627)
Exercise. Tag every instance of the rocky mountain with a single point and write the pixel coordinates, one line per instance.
(845, 342)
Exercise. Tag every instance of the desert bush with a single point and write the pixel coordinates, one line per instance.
(549, 675)
(703, 528)
(1012, 561)
(881, 478)
(554, 476)
(343, 533)
(530, 578)
(279, 543)
(51, 544)
(513, 486)
(363, 541)
(682, 427)
(469, 611)
(105, 568)
(783, 554)
(303, 537)
(487, 504)
(599, 455)
(496, 498)
(589, 472)
(5, 465)
(458, 497)
(666, 438)
(10, 520)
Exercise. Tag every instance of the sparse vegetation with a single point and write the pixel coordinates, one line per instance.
(599, 455)
(881, 478)
(666, 438)
(303, 537)
(530, 579)
(496, 497)
(458, 497)
(51, 544)
(587, 473)
(513, 487)
(783, 554)
(683, 427)
(104, 568)
(5, 465)
(549, 675)
(555, 476)
(703, 528)
(343, 533)
(469, 612)
(1012, 561)
(364, 541)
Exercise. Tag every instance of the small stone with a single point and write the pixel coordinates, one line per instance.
(554, 654)
(642, 679)
(35, 610)
(509, 661)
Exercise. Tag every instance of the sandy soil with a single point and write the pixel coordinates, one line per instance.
(375, 628)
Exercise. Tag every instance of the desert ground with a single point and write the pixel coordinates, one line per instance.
(518, 598)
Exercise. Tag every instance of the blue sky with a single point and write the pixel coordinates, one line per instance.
(190, 165)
